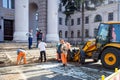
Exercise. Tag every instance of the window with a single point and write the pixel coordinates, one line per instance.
(60, 21)
(9, 4)
(60, 33)
(72, 22)
(78, 33)
(86, 20)
(110, 16)
(86, 33)
(72, 34)
(110, 1)
(66, 21)
(78, 21)
(98, 18)
(116, 33)
(36, 16)
(60, 7)
(66, 34)
(103, 33)
(98, 4)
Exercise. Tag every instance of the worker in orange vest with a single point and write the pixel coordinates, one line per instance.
(68, 50)
(21, 55)
(64, 50)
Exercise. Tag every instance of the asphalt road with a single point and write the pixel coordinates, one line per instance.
(51, 71)
(40, 71)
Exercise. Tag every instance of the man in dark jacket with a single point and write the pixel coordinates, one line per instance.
(39, 36)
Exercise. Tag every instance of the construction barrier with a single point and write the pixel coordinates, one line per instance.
(114, 76)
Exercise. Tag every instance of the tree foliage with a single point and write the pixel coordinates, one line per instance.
(76, 5)
(80, 5)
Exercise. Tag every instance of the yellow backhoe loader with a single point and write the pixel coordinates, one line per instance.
(106, 46)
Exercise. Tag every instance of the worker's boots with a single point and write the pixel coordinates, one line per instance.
(82, 60)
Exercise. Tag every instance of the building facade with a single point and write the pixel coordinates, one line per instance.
(109, 11)
(6, 21)
(16, 21)
(17, 17)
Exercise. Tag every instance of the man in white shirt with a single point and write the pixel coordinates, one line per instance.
(42, 48)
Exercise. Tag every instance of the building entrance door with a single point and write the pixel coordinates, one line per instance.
(8, 30)
(1, 33)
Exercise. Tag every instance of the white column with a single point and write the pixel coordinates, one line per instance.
(52, 21)
(21, 20)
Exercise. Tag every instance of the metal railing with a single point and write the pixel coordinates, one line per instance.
(114, 76)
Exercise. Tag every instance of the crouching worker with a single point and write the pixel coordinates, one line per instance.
(21, 55)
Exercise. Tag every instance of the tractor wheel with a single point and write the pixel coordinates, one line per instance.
(110, 58)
